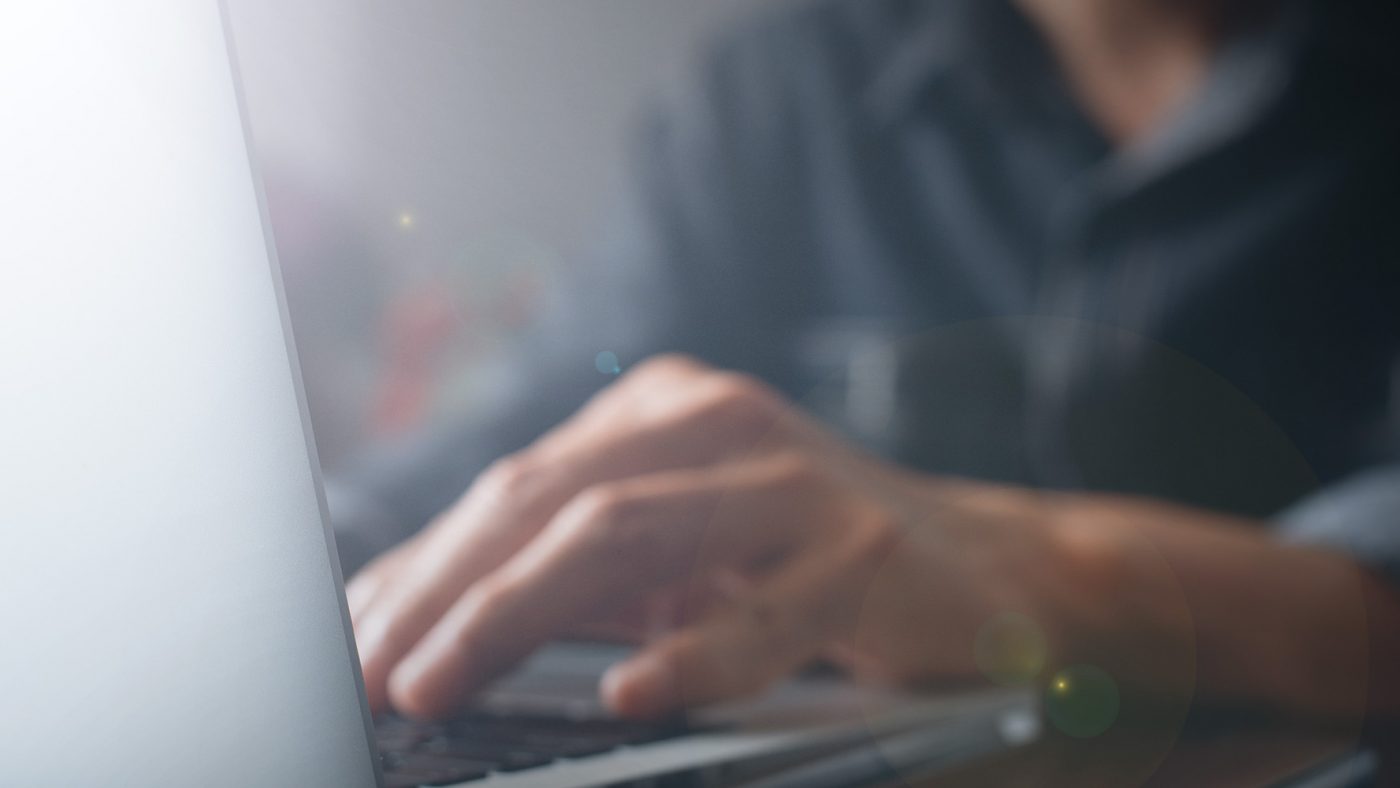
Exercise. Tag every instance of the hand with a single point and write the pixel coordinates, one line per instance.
(704, 492)
(772, 543)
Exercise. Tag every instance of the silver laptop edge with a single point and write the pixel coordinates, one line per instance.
(172, 614)
(278, 283)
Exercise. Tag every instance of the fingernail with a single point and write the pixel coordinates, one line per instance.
(411, 692)
(640, 687)
(357, 599)
(370, 636)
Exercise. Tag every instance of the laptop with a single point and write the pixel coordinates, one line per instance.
(171, 607)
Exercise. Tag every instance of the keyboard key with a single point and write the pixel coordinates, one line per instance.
(506, 760)
(435, 769)
(481, 742)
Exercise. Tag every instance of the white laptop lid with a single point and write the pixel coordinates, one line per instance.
(169, 612)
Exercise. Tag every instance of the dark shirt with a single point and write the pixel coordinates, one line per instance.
(893, 211)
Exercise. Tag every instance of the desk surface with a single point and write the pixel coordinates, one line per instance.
(1241, 754)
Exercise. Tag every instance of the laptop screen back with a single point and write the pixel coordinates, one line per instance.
(169, 613)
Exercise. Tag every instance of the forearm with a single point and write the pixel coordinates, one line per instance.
(1261, 622)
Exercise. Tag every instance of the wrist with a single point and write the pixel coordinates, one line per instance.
(1119, 603)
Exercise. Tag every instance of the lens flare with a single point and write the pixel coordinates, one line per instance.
(1082, 701)
(607, 363)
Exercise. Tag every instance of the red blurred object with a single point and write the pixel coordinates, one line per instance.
(419, 326)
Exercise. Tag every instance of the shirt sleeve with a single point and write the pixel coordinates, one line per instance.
(1359, 516)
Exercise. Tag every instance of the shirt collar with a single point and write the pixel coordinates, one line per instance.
(979, 44)
(989, 48)
(1249, 76)
(916, 64)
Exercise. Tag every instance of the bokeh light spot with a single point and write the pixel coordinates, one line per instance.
(1010, 650)
(1082, 701)
(607, 363)
(406, 221)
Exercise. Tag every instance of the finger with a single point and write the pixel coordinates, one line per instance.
(363, 592)
(745, 647)
(367, 584)
(701, 423)
(454, 552)
(610, 546)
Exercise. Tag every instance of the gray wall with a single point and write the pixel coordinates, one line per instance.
(473, 114)
(415, 143)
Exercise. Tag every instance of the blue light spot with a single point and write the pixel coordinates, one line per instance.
(607, 363)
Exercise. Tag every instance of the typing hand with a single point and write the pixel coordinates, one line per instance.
(704, 490)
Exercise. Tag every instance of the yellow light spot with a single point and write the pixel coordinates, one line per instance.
(1082, 701)
(406, 221)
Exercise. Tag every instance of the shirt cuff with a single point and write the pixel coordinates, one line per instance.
(1359, 516)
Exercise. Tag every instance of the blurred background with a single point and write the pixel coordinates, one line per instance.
(429, 165)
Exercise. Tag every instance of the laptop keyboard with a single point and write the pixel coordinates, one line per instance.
(473, 747)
